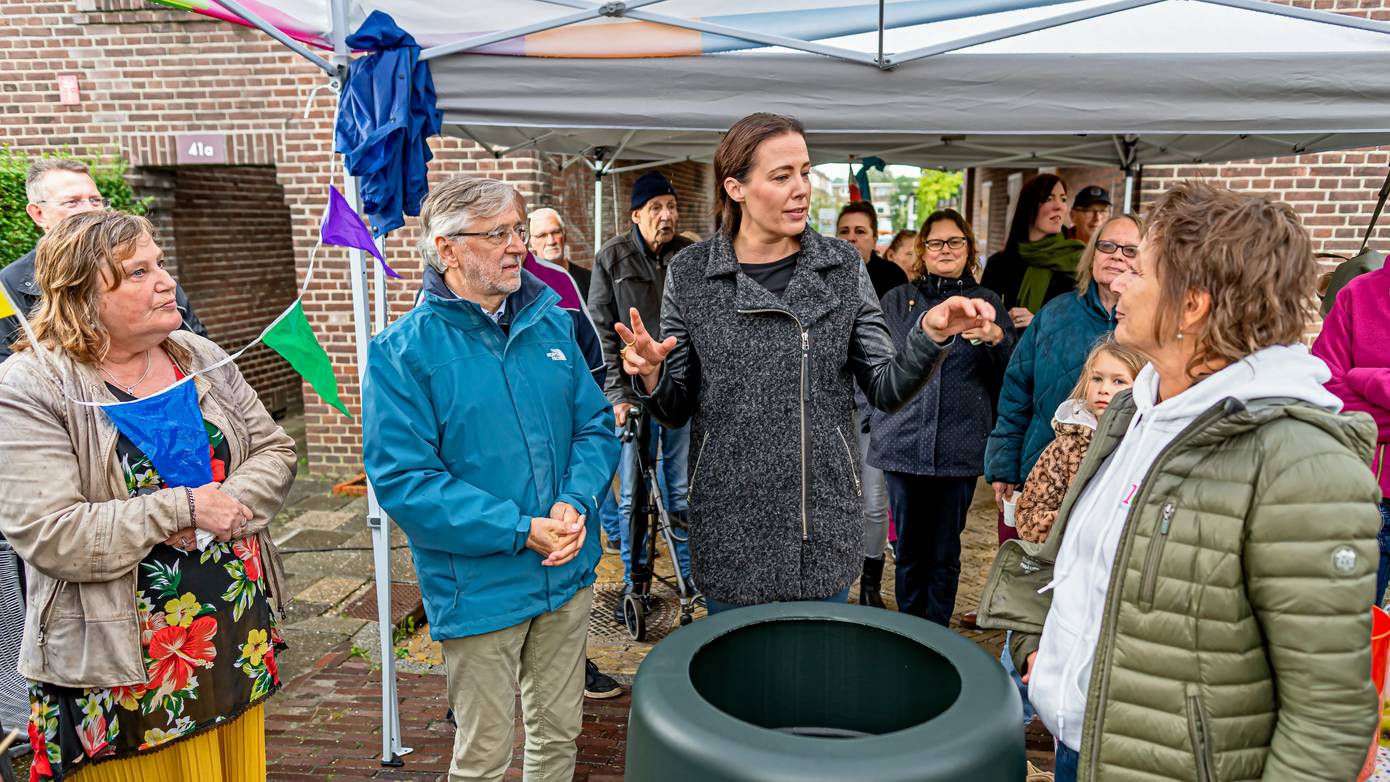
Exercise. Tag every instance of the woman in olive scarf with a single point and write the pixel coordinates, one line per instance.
(1037, 263)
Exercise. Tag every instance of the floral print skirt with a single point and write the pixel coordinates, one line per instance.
(209, 643)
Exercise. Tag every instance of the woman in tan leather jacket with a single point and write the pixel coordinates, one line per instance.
(148, 657)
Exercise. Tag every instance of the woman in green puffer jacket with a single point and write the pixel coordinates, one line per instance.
(1201, 609)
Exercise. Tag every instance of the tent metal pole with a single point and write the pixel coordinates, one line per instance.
(880, 34)
(1325, 17)
(477, 41)
(271, 30)
(767, 39)
(598, 211)
(644, 166)
(1017, 30)
(1129, 190)
(377, 522)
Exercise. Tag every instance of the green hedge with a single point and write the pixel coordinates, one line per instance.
(18, 234)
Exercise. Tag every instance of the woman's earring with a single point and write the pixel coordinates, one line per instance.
(1179, 335)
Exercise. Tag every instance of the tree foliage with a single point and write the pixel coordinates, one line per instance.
(935, 188)
(18, 233)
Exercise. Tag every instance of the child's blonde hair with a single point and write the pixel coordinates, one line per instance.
(1132, 359)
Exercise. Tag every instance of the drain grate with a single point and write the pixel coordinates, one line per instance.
(405, 601)
(665, 615)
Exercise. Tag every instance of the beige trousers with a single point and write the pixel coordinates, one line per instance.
(545, 655)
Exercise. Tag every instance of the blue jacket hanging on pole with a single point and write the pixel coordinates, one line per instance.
(386, 113)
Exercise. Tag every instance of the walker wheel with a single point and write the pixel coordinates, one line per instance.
(634, 616)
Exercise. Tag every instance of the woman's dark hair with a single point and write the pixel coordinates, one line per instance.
(1030, 199)
(972, 261)
(859, 208)
(734, 157)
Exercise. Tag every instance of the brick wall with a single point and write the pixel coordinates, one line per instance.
(236, 262)
(146, 72)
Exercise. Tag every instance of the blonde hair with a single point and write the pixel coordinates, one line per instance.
(69, 266)
(1088, 256)
(1250, 253)
(1131, 358)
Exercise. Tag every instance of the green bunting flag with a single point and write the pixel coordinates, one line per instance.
(292, 338)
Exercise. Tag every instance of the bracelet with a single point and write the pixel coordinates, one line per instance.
(192, 508)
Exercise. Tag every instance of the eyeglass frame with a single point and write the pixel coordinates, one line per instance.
(944, 243)
(1130, 251)
(500, 235)
(99, 202)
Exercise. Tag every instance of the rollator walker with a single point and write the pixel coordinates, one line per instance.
(651, 521)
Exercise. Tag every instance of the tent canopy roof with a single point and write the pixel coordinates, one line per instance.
(965, 83)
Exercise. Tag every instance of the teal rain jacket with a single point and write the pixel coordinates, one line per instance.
(468, 433)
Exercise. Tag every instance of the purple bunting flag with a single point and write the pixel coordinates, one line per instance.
(343, 228)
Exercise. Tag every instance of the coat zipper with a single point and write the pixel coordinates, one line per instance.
(695, 473)
(849, 457)
(1100, 674)
(805, 396)
(1146, 588)
(41, 638)
(1197, 731)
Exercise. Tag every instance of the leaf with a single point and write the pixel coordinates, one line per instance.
(208, 608)
(165, 579)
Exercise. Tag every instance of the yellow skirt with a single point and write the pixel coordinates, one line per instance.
(232, 753)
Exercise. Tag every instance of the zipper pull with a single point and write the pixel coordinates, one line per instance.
(1166, 520)
(805, 367)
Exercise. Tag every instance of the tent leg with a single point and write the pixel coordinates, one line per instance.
(1129, 190)
(598, 211)
(363, 319)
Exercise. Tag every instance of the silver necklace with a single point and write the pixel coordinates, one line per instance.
(129, 389)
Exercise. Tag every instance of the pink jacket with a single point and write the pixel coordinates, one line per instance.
(1355, 344)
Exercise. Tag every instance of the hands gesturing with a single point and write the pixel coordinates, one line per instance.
(958, 315)
(642, 355)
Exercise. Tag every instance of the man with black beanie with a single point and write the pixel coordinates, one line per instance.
(630, 272)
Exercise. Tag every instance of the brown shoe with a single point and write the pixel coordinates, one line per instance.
(968, 621)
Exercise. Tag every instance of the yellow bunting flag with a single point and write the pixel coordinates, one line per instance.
(6, 308)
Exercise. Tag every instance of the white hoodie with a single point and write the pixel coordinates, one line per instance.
(1062, 671)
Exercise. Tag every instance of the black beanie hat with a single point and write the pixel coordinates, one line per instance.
(649, 186)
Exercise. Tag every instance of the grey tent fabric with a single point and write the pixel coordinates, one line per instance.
(952, 110)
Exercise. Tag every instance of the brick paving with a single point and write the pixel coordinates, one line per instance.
(326, 725)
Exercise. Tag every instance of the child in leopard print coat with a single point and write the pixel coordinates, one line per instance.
(1109, 369)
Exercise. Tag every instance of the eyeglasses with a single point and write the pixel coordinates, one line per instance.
(500, 235)
(1110, 248)
(955, 243)
(96, 202)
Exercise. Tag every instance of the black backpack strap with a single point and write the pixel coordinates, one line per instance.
(1380, 204)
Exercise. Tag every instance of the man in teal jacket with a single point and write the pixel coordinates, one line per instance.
(490, 444)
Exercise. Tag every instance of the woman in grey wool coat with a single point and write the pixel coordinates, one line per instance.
(769, 325)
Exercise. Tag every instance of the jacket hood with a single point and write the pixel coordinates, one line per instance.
(1286, 372)
(1073, 412)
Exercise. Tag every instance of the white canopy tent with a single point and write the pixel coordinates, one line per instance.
(942, 83)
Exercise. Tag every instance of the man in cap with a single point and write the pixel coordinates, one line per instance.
(1089, 211)
(630, 273)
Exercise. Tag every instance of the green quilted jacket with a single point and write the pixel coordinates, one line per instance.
(1235, 643)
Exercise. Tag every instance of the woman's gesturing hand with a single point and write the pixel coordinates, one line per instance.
(956, 315)
(642, 355)
(220, 513)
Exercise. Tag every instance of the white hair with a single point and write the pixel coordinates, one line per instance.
(451, 206)
(546, 211)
